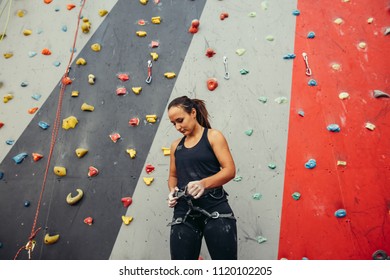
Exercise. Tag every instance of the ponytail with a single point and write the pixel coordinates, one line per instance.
(202, 115)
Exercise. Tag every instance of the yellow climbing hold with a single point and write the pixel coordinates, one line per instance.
(91, 79)
(170, 75)
(69, 122)
(141, 33)
(51, 239)
(87, 107)
(60, 171)
(20, 13)
(136, 90)
(8, 55)
(27, 32)
(127, 219)
(102, 13)
(86, 25)
(131, 152)
(151, 118)
(166, 151)
(74, 199)
(80, 152)
(96, 47)
(75, 93)
(81, 61)
(154, 56)
(143, 2)
(7, 97)
(156, 20)
(148, 180)
(341, 163)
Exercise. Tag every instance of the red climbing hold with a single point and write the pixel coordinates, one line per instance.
(1, 124)
(195, 23)
(93, 171)
(222, 16)
(126, 201)
(210, 52)
(212, 84)
(36, 156)
(121, 91)
(154, 44)
(46, 51)
(134, 121)
(70, 6)
(193, 30)
(114, 137)
(123, 77)
(149, 168)
(88, 221)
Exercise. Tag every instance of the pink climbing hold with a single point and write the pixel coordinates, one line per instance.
(123, 77)
(88, 221)
(121, 91)
(134, 121)
(149, 168)
(93, 171)
(127, 201)
(115, 137)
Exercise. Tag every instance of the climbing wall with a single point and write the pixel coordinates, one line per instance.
(307, 132)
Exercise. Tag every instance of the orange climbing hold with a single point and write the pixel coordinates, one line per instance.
(32, 110)
(222, 16)
(212, 84)
(46, 51)
(93, 171)
(66, 81)
(70, 6)
(36, 156)
(47, 1)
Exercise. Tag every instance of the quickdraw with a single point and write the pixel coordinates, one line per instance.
(149, 78)
(308, 70)
(226, 76)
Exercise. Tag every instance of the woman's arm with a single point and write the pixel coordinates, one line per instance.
(172, 179)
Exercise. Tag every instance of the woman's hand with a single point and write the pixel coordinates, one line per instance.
(195, 189)
(172, 200)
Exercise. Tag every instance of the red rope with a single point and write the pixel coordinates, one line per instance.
(54, 135)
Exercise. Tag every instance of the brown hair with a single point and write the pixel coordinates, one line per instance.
(186, 103)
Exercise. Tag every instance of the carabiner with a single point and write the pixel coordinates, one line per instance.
(308, 70)
(149, 78)
(226, 76)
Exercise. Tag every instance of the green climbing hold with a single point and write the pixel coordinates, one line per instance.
(249, 132)
(244, 71)
(261, 239)
(237, 178)
(257, 196)
(252, 14)
(272, 166)
(296, 195)
(262, 99)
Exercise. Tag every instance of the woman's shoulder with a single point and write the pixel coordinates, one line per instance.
(214, 135)
(175, 143)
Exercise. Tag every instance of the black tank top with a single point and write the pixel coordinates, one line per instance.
(196, 163)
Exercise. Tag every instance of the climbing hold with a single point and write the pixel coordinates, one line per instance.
(370, 20)
(312, 82)
(244, 71)
(212, 84)
(170, 75)
(311, 163)
(240, 52)
(66, 80)
(91, 79)
(19, 158)
(80, 152)
(132, 152)
(195, 23)
(46, 51)
(261, 239)
(60, 171)
(341, 213)
(148, 180)
(27, 32)
(136, 90)
(154, 56)
(336, 66)
(24, 84)
(71, 200)
(362, 45)
(102, 13)
(262, 99)
(370, 126)
(141, 33)
(32, 54)
(269, 38)
(69, 122)
(86, 25)
(73, 50)
(51, 239)
(378, 94)
(264, 5)
(166, 151)
(87, 107)
(1, 175)
(271, 165)
(149, 168)
(123, 77)
(156, 20)
(311, 35)
(8, 97)
(289, 56)
(257, 196)
(210, 52)
(281, 100)
(8, 55)
(81, 61)
(296, 195)
(36, 157)
(20, 13)
(56, 63)
(344, 95)
(88, 221)
(341, 163)
(296, 12)
(143, 2)
(121, 90)
(64, 28)
(301, 113)
(1, 124)
(47, 1)
(141, 22)
(192, 30)
(154, 44)
(333, 128)
(75, 93)
(70, 6)
(238, 178)
(387, 31)
(9, 142)
(127, 219)
(252, 14)
(92, 171)
(249, 132)
(151, 118)
(127, 201)
(134, 121)
(26, 203)
(32, 110)
(115, 137)
(338, 21)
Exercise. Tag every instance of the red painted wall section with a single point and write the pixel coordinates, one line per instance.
(309, 228)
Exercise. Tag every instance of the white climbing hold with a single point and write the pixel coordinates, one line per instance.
(281, 100)
(370, 126)
(336, 66)
(240, 51)
(270, 38)
(362, 45)
(344, 95)
(338, 21)
(370, 20)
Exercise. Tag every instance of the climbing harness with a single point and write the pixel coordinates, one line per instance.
(226, 76)
(308, 70)
(182, 194)
(149, 78)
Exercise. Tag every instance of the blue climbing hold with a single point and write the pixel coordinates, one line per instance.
(301, 113)
(341, 213)
(43, 125)
(311, 163)
(289, 56)
(10, 142)
(333, 127)
(26, 203)
(312, 82)
(73, 50)
(32, 54)
(1, 175)
(311, 35)
(36, 96)
(296, 12)
(56, 63)
(19, 158)
(64, 28)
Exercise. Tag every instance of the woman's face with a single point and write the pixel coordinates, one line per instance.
(183, 122)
